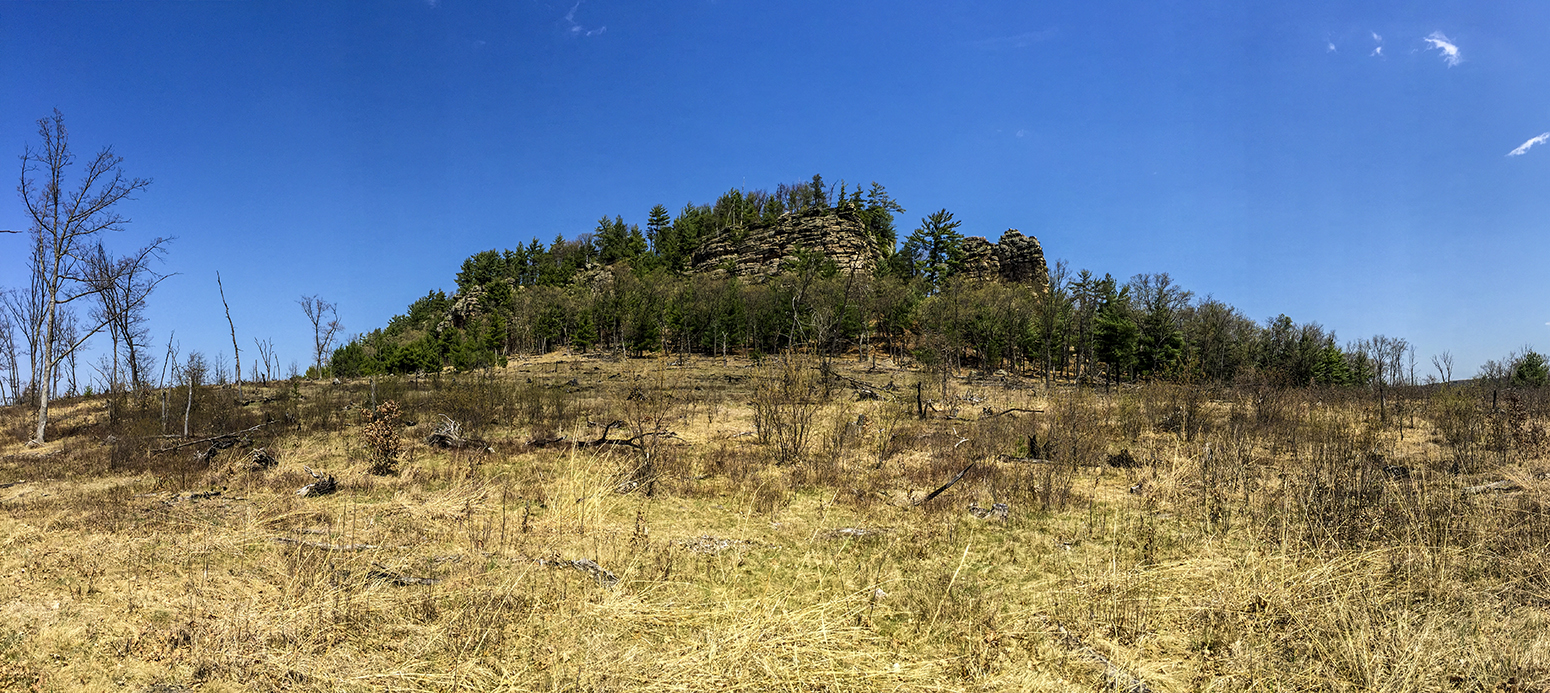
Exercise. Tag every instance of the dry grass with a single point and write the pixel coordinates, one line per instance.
(1259, 544)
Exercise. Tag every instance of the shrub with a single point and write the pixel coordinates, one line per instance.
(381, 436)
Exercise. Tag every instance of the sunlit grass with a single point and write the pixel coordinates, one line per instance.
(1261, 547)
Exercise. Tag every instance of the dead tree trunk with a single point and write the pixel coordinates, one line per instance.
(236, 354)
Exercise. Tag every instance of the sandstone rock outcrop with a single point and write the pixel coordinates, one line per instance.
(1016, 259)
(760, 251)
(1022, 259)
(981, 262)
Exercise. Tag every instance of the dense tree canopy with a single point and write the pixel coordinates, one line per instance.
(621, 288)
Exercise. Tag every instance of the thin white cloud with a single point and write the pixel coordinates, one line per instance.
(1523, 148)
(1022, 133)
(1450, 50)
(1376, 52)
(1376, 36)
(1330, 46)
(577, 29)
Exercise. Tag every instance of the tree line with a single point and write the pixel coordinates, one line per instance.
(622, 289)
(625, 289)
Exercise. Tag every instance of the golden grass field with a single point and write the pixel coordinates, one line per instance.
(771, 535)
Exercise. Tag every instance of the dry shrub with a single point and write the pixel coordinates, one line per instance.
(767, 491)
(1457, 416)
(842, 432)
(380, 433)
(785, 402)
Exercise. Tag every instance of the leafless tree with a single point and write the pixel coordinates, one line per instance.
(10, 355)
(125, 284)
(193, 375)
(25, 309)
(66, 228)
(10, 364)
(324, 317)
(266, 352)
(1444, 364)
(236, 355)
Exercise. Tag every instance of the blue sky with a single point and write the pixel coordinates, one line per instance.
(1268, 154)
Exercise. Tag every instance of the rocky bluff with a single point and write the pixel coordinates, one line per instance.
(758, 252)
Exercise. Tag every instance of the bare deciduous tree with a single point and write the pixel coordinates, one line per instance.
(236, 355)
(66, 227)
(125, 284)
(10, 364)
(266, 353)
(1444, 364)
(324, 317)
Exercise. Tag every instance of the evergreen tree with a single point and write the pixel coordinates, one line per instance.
(877, 217)
(617, 242)
(1114, 331)
(820, 194)
(480, 269)
(585, 334)
(1332, 368)
(659, 232)
(1530, 370)
(1160, 345)
(935, 250)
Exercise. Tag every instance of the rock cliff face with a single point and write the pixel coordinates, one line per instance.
(760, 252)
(1021, 259)
(1017, 259)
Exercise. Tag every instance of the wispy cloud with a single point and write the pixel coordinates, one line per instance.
(1377, 38)
(577, 29)
(1330, 46)
(1450, 50)
(1022, 40)
(1523, 148)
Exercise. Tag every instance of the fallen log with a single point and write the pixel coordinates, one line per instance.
(1119, 678)
(604, 576)
(1503, 485)
(322, 487)
(991, 413)
(1035, 460)
(947, 485)
(325, 547)
(449, 436)
(380, 572)
(233, 436)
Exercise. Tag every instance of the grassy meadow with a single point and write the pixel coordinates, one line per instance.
(695, 523)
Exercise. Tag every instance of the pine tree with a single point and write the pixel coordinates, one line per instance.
(659, 232)
(935, 250)
(1530, 371)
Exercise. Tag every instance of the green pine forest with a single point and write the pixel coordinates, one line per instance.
(622, 288)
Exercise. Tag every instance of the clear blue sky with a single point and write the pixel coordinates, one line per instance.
(1265, 153)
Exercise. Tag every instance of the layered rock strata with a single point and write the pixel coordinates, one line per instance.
(762, 251)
